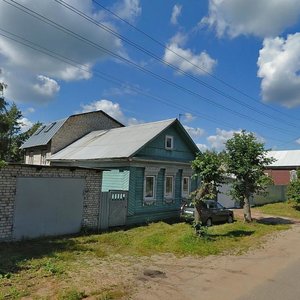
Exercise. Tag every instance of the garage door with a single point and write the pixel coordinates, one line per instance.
(48, 206)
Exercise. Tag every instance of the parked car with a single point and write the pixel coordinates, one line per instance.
(212, 212)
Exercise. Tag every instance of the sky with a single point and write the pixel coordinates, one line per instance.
(219, 66)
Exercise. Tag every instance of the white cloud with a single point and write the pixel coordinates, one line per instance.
(279, 67)
(175, 14)
(125, 89)
(202, 147)
(112, 109)
(25, 124)
(195, 132)
(298, 141)
(46, 86)
(192, 62)
(256, 17)
(21, 65)
(218, 140)
(188, 117)
(128, 9)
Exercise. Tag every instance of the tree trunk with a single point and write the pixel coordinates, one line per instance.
(197, 216)
(247, 210)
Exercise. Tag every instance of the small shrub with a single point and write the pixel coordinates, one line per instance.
(72, 295)
(293, 190)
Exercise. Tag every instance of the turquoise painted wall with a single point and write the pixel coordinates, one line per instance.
(138, 212)
(115, 180)
(156, 148)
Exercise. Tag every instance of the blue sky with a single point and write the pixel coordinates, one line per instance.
(220, 66)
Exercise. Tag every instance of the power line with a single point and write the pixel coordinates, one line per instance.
(190, 62)
(109, 78)
(172, 66)
(140, 68)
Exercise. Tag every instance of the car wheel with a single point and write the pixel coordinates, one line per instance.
(230, 219)
(209, 222)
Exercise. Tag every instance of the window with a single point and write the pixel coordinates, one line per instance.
(293, 175)
(30, 158)
(169, 182)
(149, 187)
(185, 186)
(49, 127)
(43, 157)
(169, 142)
(39, 130)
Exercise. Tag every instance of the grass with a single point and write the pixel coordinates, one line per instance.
(285, 209)
(101, 265)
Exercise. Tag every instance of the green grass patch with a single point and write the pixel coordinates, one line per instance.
(24, 265)
(285, 209)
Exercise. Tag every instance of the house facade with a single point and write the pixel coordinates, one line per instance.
(52, 137)
(149, 170)
(283, 170)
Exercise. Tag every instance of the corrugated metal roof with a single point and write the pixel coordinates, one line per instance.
(285, 158)
(113, 143)
(43, 134)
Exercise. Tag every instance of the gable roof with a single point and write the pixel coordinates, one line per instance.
(116, 143)
(285, 158)
(43, 134)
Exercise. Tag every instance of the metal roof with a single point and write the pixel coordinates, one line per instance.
(113, 143)
(285, 158)
(43, 134)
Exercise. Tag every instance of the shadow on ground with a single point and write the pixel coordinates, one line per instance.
(274, 221)
(14, 255)
(233, 234)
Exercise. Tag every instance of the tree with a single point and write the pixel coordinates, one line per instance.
(209, 168)
(246, 159)
(293, 189)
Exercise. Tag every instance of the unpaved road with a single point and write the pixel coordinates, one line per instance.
(271, 272)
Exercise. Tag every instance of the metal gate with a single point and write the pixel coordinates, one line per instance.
(48, 206)
(117, 208)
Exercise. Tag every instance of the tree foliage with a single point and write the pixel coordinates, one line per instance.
(246, 159)
(293, 189)
(11, 137)
(209, 168)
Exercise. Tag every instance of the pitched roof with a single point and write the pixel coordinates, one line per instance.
(43, 134)
(285, 158)
(115, 143)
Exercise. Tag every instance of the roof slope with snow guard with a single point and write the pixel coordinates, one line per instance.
(114, 143)
(285, 158)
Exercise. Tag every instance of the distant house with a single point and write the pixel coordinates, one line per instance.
(283, 170)
(52, 137)
(150, 171)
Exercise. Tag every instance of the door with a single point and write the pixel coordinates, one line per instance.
(48, 206)
(117, 208)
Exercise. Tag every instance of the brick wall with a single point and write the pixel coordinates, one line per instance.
(8, 180)
(79, 125)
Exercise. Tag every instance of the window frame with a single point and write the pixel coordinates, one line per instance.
(153, 188)
(185, 194)
(169, 195)
(30, 157)
(166, 142)
(44, 157)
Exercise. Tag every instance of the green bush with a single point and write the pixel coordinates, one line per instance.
(293, 190)
(2, 163)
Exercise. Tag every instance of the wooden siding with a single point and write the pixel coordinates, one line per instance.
(115, 180)
(156, 148)
(138, 211)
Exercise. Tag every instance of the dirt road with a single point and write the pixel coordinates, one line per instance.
(227, 277)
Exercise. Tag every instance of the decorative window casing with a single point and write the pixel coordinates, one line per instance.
(169, 142)
(293, 175)
(150, 178)
(185, 186)
(169, 187)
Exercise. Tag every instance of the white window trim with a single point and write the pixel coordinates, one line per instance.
(172, 142)
(30, 158)
(151, 199)
(165, 195)
(186, 194)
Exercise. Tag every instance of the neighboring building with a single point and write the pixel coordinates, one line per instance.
(150, 170)
(283, 170)
(50, 138)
